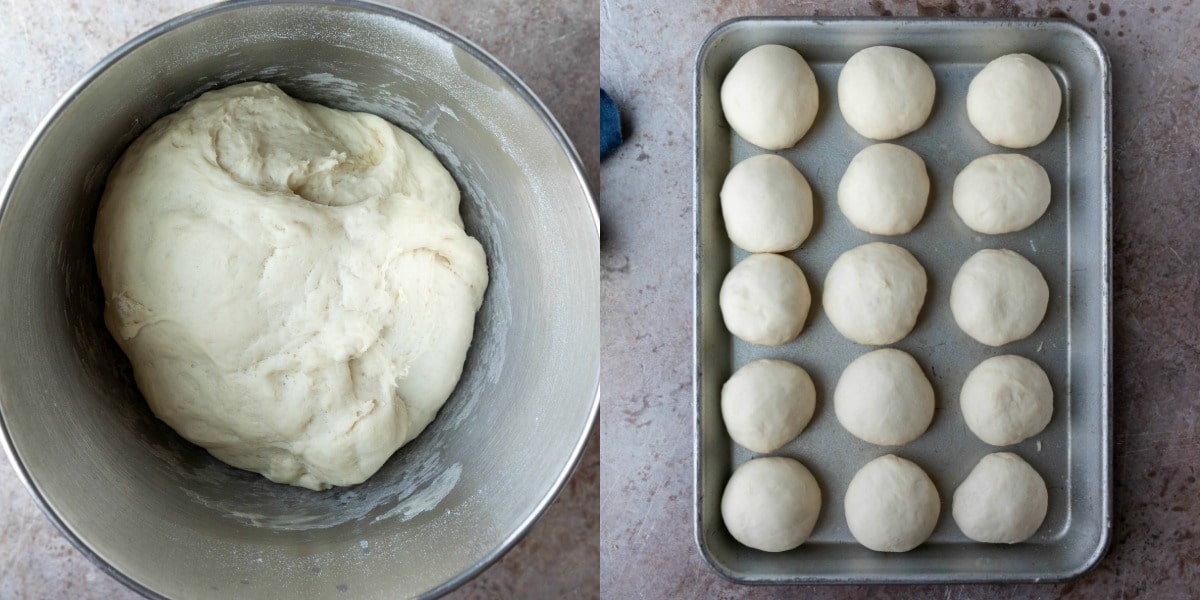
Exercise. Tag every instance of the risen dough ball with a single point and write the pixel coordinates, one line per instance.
(998, 297)
(1014, 101)
(770, 97)
(891, 505)
(765, 300)
(1007, 399)
(767, 403)
(884, 190)
(767, 205)
(874, 293)
(771, 504)
(885, 92)
(1002, 501)
(291, 283)
(1001, 193)
(884, 398)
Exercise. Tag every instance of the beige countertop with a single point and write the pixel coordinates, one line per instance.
(648, 50)
(47, 46)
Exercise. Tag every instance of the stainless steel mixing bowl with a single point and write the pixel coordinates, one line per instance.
(163, 516)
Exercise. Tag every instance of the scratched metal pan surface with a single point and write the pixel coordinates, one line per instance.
(1070, 244)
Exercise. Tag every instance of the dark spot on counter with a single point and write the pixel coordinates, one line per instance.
(1105, 9)
(1091, 16)
(611, 263)
(946, 9)
(1121, 13)
(1005, 8)
(341, 587)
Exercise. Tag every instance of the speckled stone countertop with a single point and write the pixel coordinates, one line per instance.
(47, 46)
(648, 50)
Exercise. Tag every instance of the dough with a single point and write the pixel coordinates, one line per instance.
(885, 92)
(1001, 193)
(765, 300)
(1007, 399)
(874, 293)
(767, 403)
(767, 205)
(891, 505)
(291, 283)
(1014, 101)
(1002, 501)
(771, 504)
(884, 398)
(770, 97)
(884, 190)
(998, 297)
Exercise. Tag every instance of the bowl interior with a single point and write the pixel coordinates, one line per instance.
(161, 512)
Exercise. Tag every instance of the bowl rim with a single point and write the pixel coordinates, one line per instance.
(423, 23)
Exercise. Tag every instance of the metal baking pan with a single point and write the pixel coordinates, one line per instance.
(1070, 244)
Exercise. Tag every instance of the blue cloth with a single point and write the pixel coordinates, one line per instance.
(610, 125)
